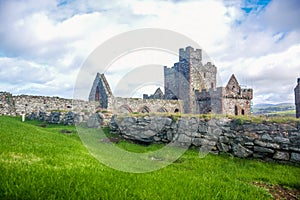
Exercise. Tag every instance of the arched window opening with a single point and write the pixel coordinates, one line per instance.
(125, 109)
(97, 94)
(236, 111)
(145, 109)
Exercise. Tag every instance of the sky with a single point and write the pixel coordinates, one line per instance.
(43, 44)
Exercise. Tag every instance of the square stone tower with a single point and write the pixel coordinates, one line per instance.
(297, 98)
(187, 76)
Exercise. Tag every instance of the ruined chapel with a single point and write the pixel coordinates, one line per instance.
(189, 87)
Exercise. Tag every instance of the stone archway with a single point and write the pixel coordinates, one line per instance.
(125, 109)
(162, 109)
(144, 109)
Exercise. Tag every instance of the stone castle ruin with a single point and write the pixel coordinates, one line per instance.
(189, 87)
(297, 98)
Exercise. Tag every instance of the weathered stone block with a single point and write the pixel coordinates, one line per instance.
(182, 138)
(193, 124)
(294, 149)
(280, 139)
(196, 135)
(250, 135)
(168, 121)
(223, 147)
(295, 141)
(260, 143)
(229, 135)
(211, 137)
(169, 135)
(156, 139)
(295, 157)
(287, 127)
(249, 143)
(258, 155)
(54, 118)
(147, 133)
(32, 116)
(224, 139)
(196, 142)
(223, 122)
(279, 155)
(263, 149)
(273, 145)
(207, 144)
(295, 134)
(266, 138)
(214, 130)
(240, 151)
(69, 118)
(203, 128)
(262, 127)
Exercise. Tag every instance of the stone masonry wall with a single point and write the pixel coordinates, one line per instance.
(267, 141)
(128, 105)
(16, 105)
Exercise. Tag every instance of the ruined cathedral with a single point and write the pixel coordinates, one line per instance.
(189, 87)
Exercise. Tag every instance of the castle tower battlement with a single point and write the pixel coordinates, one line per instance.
(189, 54)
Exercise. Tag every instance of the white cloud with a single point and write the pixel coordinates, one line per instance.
(282, 15)
(272, 76)
(51, 39)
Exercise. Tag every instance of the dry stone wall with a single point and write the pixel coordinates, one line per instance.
(93, 120)
(267, 141)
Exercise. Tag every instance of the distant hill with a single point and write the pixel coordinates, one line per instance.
(281, 109)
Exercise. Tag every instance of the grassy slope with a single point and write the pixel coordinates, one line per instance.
(42, 163)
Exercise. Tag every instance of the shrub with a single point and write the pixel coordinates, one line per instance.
(240, 121)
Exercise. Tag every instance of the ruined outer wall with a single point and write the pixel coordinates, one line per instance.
(229, 105)
(137, 105)
(210, 101)
(237, 100)
(16, 105)
(177, 84)
(297, 99)
(209, 74)
(171, 86)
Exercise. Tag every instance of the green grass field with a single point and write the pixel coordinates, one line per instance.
(43, 163)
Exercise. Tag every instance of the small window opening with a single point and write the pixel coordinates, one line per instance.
(243, 112)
